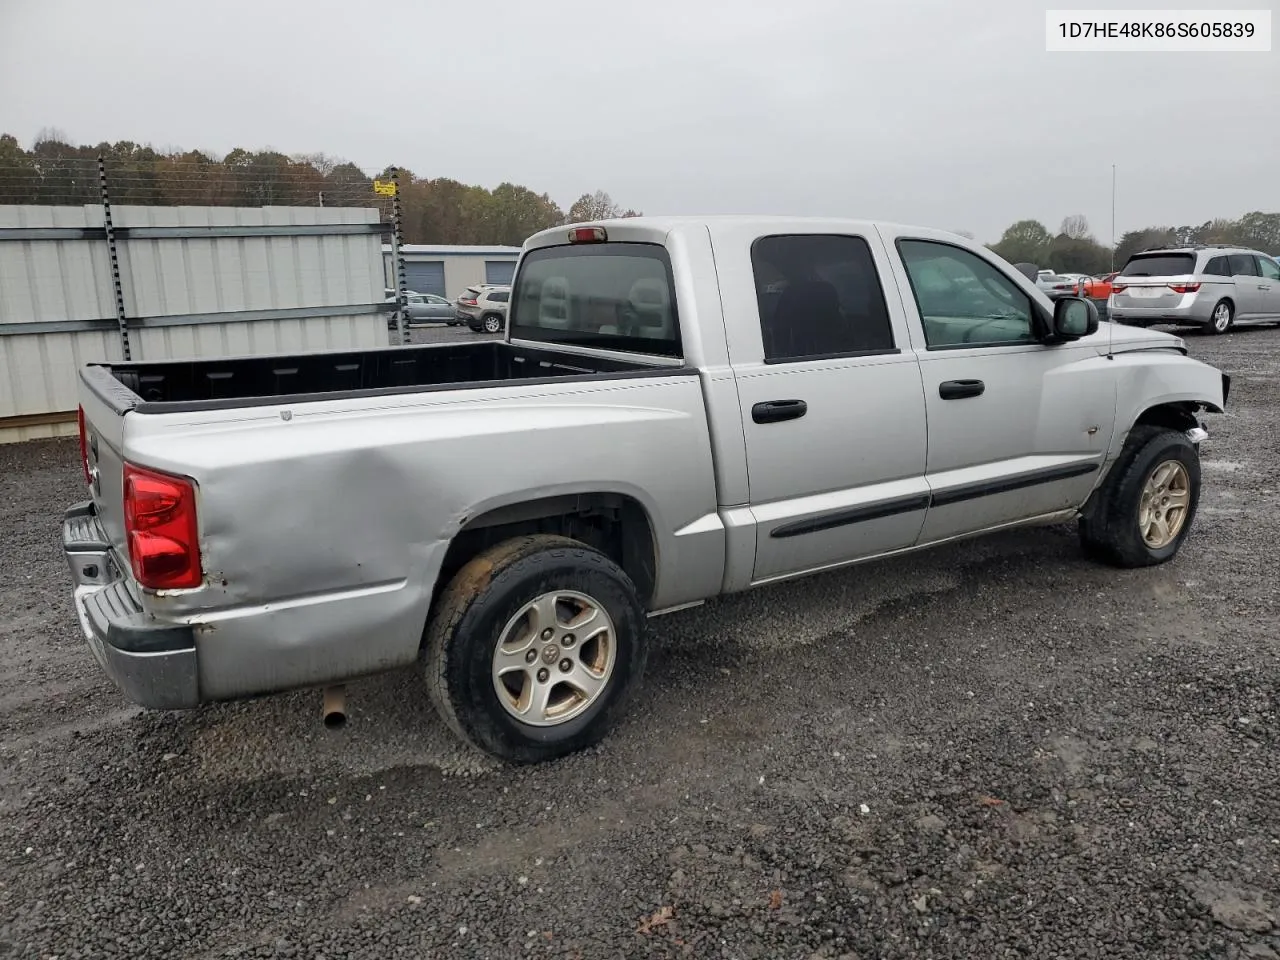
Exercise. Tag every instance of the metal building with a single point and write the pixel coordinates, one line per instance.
(448, 269)
(174, 282)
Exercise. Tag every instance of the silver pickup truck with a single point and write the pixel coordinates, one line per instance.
(680, 408)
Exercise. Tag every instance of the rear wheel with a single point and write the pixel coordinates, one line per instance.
(1222, 318)
(492, 323)
(1145, 508)
(535, 648)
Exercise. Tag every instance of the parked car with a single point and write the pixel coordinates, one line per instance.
(483, 308)
(1055, 285)
(1212, 287)
(431, 308)
(668, 418)
(1099, 287)
(425, 308)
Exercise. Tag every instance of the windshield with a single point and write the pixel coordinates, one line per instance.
(1159, 265)
(613, 296)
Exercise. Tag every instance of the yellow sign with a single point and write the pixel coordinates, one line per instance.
(385, 187)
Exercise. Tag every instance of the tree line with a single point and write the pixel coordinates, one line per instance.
(1073, 249)
(440, 210)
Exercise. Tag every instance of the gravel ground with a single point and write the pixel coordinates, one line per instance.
(991, 750)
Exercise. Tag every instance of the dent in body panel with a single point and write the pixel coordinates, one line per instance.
(299, 644)
(346, 496)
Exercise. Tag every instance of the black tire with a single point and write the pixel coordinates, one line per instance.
(1109, 530)
(1214, 325)
(491, 320)
(470, 616)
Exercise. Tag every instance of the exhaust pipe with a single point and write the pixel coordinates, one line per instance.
(333, 710)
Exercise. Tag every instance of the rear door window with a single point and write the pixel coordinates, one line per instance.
(1243, 265)
(818, 296)
(612, 296)
(1159, 265)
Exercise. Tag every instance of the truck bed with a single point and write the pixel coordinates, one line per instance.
(173, 386)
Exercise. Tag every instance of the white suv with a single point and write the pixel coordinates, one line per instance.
(1214, 287)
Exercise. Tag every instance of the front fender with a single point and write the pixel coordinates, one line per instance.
(1161, 378)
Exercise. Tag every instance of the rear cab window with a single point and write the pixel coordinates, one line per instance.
(608, 296)
(1159, 265)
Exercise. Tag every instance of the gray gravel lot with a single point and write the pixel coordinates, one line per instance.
(991, 750)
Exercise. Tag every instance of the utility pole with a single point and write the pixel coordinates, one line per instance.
(1113, 218)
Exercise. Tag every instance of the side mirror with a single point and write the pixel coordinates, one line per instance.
(1073, 318)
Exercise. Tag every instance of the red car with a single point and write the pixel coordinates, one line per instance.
(1099, 288)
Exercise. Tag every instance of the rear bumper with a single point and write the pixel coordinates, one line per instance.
(1197, 313)
(152, 663)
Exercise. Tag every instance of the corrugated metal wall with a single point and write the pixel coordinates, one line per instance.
(187, 296)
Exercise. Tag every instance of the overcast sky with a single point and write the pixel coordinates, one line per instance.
(947, 113)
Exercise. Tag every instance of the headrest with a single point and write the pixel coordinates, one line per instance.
(651, 294)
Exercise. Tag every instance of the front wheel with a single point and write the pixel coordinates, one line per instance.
(535, 648)
(1145, 508)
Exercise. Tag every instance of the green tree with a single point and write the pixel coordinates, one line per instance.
(1026, 241)
(1078, 255)
(518, 213)
(1261, 230)
(56, 171)
(1135, 240)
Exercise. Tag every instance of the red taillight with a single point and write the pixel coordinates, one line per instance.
(1119, 287)
(1184, 287)
(588, 235)
(84, 448)
(160, 523)
(467, 300)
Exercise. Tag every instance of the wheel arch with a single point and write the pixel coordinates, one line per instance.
(615, 522)
(1174, 415)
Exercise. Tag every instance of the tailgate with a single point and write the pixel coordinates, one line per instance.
(102, 441)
